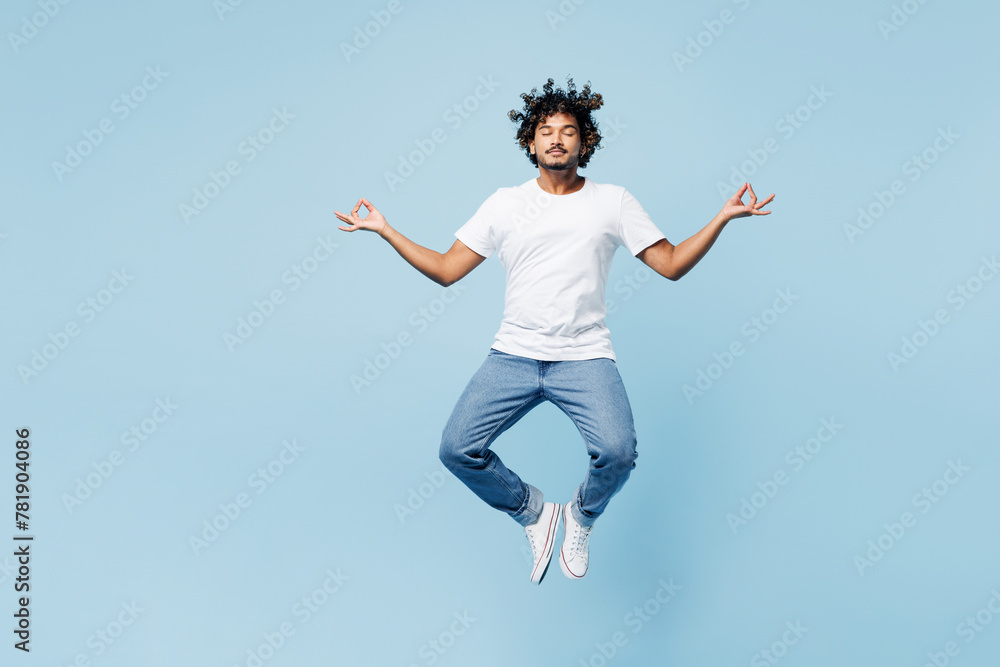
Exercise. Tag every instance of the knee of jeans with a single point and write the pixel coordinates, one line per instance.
(451, 453)
(621, 454)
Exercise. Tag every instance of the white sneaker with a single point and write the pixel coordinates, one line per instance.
(574, 556)
(542, 537)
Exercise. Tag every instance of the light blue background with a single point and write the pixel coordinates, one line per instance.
(335, 506)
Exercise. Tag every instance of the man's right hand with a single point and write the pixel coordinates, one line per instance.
(373, 222)
(444, 269)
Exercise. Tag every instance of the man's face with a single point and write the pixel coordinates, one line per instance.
(557, 143)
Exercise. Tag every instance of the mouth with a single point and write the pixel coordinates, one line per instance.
(557, 152)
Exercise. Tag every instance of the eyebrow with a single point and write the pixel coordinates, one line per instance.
(542, 127)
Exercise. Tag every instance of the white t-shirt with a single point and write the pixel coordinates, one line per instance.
(557, 251)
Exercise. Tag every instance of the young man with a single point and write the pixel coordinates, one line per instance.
(556, 236)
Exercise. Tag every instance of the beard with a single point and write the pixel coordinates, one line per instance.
(560, 163)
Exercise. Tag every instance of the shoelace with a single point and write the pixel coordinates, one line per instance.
(535, 547)
(579, 539)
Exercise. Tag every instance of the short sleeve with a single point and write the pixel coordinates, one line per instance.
(635, 228)
(479, 232)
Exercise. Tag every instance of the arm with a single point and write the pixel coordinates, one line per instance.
(442, 268)
(673, 262)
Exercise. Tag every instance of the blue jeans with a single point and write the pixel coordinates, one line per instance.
(502, 391)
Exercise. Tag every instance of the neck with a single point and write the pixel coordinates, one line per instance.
(561, 182)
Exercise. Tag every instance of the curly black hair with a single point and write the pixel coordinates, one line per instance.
(539, 107)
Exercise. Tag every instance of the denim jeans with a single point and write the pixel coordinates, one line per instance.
(502, 391)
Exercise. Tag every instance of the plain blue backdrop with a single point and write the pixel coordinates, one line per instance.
(186, 334)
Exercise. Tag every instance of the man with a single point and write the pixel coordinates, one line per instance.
(556, 236)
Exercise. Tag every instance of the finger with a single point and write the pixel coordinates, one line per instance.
(356, 208)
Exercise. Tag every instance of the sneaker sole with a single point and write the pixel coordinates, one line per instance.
(562, 558)
(549, 544)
